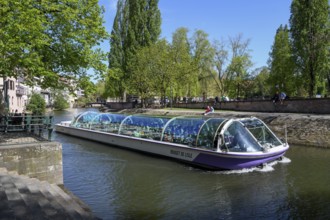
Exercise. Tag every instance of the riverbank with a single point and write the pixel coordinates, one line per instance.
(31, 180)
(302, 129)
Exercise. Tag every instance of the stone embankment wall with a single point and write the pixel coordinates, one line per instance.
(305, 106)
(42, 160)
(308, 106)
(302, 129)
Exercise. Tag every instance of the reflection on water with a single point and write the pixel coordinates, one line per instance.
(121, 184)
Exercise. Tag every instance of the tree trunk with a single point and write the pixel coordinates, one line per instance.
(312, 80)
(328, 78)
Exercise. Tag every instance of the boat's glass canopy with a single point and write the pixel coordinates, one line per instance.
(217, 134)
(261, 132)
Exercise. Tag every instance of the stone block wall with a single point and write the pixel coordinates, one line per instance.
(307, 106)
(120, 105)
(42, 160)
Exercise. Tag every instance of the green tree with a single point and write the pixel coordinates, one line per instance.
(260, 79)
(152, 71)
(309, 23)
(50, 40)
(220, 59)
(37, 104)
(100, 90)
(114, 80)
(137, 24)
(203, 54)
(238, 69)
(60, 102)
(87, 85)
(183, 67)
(281, 63)
(141, 80)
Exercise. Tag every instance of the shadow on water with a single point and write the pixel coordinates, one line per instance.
(121, 184)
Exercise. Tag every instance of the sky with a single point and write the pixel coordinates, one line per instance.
(256, 20)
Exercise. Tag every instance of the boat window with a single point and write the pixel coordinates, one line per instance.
(107, 122)
(238, 139)
(116, 120)
(84, 119)
(143, 126)
(207, 137)
(183, 130)
(261, 132)
(99, 122)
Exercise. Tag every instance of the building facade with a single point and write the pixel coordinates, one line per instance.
(15, 94)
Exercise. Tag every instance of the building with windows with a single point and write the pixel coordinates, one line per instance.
(14, 94)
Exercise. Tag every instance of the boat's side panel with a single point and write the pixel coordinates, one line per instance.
(155, 147)
(204, 158)
(236, 162)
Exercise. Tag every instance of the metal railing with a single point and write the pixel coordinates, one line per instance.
(38, 125)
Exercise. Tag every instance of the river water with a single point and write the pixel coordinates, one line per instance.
(121, 184)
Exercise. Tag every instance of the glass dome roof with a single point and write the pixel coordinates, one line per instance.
(230, 135)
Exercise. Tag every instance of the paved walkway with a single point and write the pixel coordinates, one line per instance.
(22, 197)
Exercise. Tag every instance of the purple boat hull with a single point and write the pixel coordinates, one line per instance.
(231, 162)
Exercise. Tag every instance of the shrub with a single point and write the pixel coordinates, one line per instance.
(60, 103)
(37, 104)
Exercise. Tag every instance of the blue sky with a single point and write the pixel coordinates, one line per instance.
(256, 20)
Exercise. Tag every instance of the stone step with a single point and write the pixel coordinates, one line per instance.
(58, 200)
(12, 197)
(6, 212)
(23, 198)
(74, 209)
(3, 170)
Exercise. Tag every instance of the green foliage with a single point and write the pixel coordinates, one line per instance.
(282, 64)
(100, 90)
(46, 40)
(203, 53)
(87, 85)
(37, 104)
(114, 82)
(60, 102)
(136, 25)
(182, 66)
(220, 58)
(299, 59)
(310, 31)
(261, 87)
(151, 71)
(82, 101)
(238, 69)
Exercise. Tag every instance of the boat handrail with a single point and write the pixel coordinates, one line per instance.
(217, 133)
(122, 122)
(167, 123)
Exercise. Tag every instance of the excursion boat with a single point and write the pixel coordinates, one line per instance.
(207, 142)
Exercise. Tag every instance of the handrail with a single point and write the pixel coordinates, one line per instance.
(36, 124)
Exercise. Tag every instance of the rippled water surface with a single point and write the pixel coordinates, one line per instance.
(122, 184)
